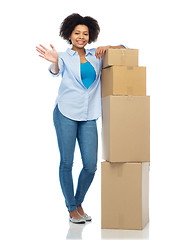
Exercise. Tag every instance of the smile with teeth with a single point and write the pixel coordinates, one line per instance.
(80, 42)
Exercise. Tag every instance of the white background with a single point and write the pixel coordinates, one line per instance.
(31, 202)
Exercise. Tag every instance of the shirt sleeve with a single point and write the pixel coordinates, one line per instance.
(124, 46)
(100, 60)
(60, 65)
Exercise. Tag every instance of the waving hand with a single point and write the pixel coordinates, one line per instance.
(49, 55)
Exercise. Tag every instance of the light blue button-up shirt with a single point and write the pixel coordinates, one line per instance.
(74, 100)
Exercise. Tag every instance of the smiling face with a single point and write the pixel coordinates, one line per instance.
(79, 37)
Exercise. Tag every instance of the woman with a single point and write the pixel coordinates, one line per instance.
(78, 106)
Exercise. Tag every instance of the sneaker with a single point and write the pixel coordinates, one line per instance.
(77, 220)
(87, 218)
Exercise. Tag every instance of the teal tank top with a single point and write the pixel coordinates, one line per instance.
(88, 74)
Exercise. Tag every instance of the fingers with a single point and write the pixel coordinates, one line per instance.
(97, 53)
(100, 51)
(49, 55)
(42, 56)
(40, 50)
(51, 46)
(43, 50)
(43, 47)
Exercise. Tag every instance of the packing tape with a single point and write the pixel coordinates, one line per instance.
(130, 68)
(123, 52)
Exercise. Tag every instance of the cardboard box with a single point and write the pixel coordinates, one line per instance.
(124, 195)
(126, 128)
(120, 56)
(121, 80)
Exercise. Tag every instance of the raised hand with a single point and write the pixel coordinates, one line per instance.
(50, 55)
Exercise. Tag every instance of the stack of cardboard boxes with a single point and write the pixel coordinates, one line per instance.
(125, 141)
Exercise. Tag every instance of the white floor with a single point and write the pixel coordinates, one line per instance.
(38, 212)
(92, 230)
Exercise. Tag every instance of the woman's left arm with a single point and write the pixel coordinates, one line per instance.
(100, 51)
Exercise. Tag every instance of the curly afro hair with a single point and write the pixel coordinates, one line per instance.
(70, 22)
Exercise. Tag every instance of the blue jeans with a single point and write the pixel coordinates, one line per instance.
(67, 130)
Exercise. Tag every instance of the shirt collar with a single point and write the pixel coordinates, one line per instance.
(72, 52)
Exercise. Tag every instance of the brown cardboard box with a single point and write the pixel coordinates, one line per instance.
(121, 80)
(121, 56)
(126, 128)
(124, 195)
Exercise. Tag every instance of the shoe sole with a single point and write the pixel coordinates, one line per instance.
(88, 220)
(80, 222)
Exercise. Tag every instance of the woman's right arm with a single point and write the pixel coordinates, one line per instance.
(54, 68)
